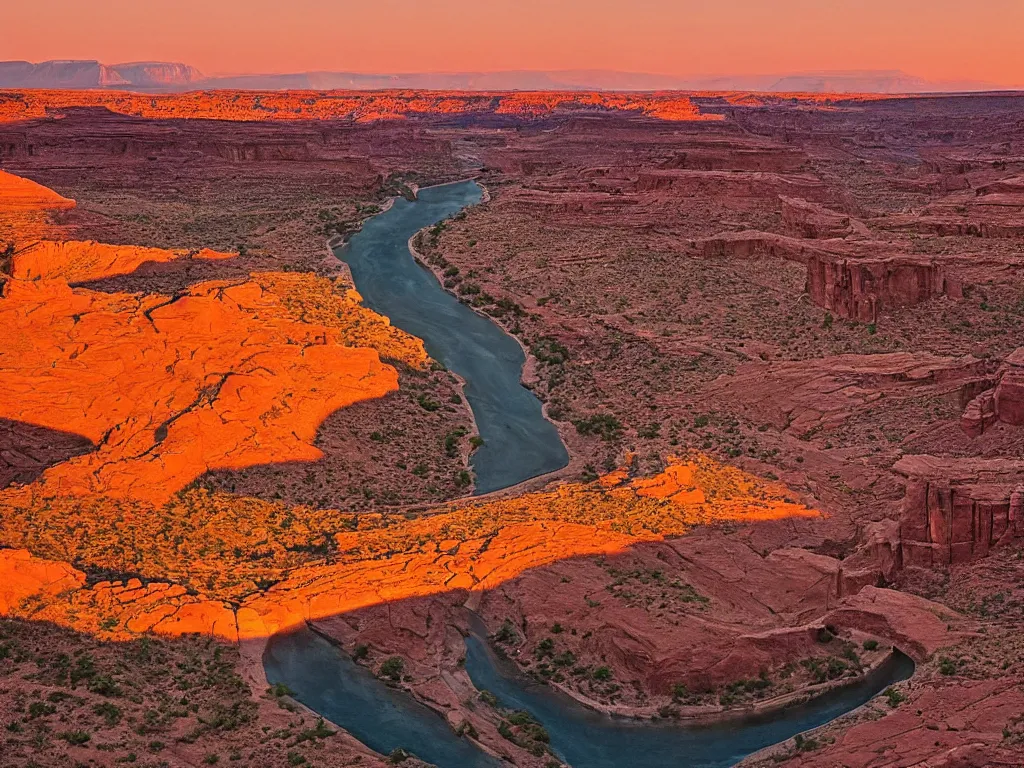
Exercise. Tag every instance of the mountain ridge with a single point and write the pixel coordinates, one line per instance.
(176, 76)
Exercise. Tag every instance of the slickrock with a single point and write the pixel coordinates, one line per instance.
(477, 564)
(80, 262)
(918, 626)
(736, 155)
(750, 244)
(702, 611)
(962, 708)
(26, 208)
(689, 183)
(26, 578)
(48, 590)
(958, 725)
(805, 397)
(168, 388)
(20, 194)
(801, 218)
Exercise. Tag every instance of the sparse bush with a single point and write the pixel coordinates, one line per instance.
(75, 738)
(894, 697)
(392, 668)
(603, 425)
(602, 674)
(427, 403)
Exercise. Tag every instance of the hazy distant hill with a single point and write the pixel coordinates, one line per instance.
(165, 76)
(156, 75)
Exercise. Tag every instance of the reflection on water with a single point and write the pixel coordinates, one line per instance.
(519, 443)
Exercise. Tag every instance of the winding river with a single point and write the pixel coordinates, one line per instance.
(519, 444)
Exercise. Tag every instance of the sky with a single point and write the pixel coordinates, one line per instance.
(943, 40)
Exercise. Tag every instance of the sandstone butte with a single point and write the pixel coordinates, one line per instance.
(361, 106)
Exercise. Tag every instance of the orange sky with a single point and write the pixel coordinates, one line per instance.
(936, 39)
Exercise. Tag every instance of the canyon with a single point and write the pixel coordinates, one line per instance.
(778, 336)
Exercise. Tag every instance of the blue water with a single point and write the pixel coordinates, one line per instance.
(587, 739)
(330, 683)
(384, 719)
(519, 443)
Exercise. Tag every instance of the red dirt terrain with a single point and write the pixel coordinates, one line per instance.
(780, 336)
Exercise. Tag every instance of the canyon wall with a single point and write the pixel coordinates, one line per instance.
(1001, 402)
(858, 289)
(956, 510)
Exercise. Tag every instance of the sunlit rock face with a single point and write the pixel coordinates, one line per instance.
(168, 388)
(347, 105)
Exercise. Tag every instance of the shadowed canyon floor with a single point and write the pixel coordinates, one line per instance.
(779, 345)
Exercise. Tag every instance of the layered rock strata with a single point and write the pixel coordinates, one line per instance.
(1002, 402)
(957, 510)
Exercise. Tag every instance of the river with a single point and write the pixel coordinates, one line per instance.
(519, 443)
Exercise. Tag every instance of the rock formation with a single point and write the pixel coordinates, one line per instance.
(1002, 402)
(956, 510)
(168, 388)
(861, 288)
(26, 209)
(80, 262)
(347, 105)
(801, 218)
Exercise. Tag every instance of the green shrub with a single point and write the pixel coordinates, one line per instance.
(603, 425)
(602, 674)
(40, 709)
(109, 712)
(506, 634)
(392, 668)
(894, 697)
(427, 403)
(75, 738)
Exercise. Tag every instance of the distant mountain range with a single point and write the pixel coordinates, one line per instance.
(167, 76)
(92, 74)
